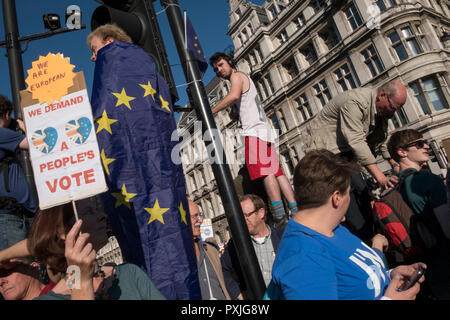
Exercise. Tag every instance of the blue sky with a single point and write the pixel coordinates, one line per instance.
(210, 19)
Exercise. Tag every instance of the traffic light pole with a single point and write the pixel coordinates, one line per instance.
(14, 52)
(238, 227)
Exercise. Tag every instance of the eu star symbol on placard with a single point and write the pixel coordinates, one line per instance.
(106, 161)
(104, 123)
(164, 103)
(182, 213)
(123, 198)
(122, 98)
(148, 90)
(156, 213)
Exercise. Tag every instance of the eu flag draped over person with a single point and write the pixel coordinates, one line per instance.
(146, 203)
(193, 44)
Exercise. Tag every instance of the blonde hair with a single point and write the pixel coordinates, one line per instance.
(109, 31)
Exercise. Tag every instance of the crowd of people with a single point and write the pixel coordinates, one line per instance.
(323, 244)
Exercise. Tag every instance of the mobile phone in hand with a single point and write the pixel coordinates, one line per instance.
(413, 281)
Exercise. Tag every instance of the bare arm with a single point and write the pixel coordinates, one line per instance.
(237, 82)
(18, 250)
(24, 143)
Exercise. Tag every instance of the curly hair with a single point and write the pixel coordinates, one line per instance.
(5, 105)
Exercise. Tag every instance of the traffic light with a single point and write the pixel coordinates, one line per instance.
(137, 18)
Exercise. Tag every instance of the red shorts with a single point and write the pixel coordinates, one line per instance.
(261, 158)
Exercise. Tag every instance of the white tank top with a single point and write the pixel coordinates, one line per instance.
(252, 116)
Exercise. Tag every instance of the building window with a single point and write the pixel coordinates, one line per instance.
(429, 94)
(372, 61)
(309, 53)
(273, 11)
(353, 16)
(345, 78)
(300, 21)
(288, 165)
(330, 36)
(245, 35)
(192, 181)
(275, 123)
(283, 37)
(317, 5)
(290, 68)
(322, 92)
(407, 41)
(385, 4)
(304, 107)
(259, 53)
(399, 119)
(269, 82)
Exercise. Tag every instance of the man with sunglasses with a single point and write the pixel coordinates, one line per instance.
(265, 241)
(425, 193)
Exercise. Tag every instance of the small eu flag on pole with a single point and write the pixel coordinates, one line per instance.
(192, 43)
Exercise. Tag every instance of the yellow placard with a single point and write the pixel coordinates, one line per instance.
(50, 78)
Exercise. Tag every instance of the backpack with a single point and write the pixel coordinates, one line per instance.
(408, 234)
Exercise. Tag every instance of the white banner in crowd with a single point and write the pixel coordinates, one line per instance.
(63, 148)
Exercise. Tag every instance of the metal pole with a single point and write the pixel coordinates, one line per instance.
(14, 52)
(238, 227)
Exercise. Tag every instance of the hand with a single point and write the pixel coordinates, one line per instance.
(21, 125)
(380, 242)
(400, 276)
(408, 271)
(387, 182)
(80, 253)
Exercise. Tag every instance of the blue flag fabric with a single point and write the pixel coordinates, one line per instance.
(193, 44)
(146, 202)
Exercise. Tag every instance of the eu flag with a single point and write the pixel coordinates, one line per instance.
(193, 44)
(146, 202)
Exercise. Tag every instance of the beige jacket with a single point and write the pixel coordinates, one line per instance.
(213, 255)
(349, 123)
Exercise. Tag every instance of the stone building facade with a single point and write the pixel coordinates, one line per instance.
(300, 54)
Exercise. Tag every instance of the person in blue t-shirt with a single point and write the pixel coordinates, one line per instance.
(17, 204)
(318, 258)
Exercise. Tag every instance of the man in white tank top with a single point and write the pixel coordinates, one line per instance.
(260, 155)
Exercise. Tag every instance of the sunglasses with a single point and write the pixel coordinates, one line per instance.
(419, 144)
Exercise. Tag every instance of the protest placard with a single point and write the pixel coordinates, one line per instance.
(64, 153)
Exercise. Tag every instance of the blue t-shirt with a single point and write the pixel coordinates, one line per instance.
(312, 266)
(19, 189)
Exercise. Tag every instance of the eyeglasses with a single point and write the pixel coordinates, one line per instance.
(419, 144)
(196, 216)
(391, 106)
(248, 215)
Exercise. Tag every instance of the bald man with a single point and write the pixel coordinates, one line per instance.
(212, 283)
(354, 124)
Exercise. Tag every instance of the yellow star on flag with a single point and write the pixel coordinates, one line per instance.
(156, 213)
(122, 98)
(165, 104)
(123, 198)
(148, 90)
(182, 213)
(106, 161)
(104, 123)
